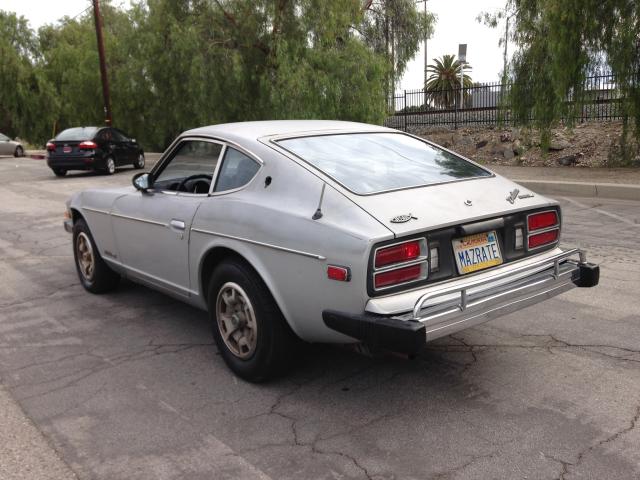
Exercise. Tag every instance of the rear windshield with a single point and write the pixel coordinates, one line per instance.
(79, 133)
(368, 163)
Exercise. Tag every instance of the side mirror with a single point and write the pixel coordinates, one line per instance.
(141, 181)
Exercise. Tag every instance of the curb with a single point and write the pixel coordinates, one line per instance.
(581, 189)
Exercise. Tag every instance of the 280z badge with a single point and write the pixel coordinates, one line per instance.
(403, 218)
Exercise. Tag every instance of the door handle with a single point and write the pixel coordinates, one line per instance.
(177, 224)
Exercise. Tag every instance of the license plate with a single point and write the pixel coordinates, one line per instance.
(477, 252)
(67, 149)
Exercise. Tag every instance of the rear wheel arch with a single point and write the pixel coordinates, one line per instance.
(216, 255)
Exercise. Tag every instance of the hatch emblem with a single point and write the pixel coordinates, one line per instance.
(403, 218)
(513, 194)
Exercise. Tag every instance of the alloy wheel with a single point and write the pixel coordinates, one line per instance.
(236, 320)
(86, 259)
(111, 165)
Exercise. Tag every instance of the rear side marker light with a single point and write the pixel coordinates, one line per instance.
(401, 253)
(539, 239)
(538, 221)
(398, 276)
(341, 274)
(87, 146)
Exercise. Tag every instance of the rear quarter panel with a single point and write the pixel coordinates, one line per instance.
(280, 215)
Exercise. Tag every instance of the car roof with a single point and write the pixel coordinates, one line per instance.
(251, 131)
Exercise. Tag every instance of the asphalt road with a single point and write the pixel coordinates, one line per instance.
(129, 386)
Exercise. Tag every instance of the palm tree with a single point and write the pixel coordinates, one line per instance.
(443, 84)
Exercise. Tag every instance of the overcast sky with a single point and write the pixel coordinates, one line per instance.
(456, 24)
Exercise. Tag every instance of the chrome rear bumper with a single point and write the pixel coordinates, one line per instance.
(469, 302)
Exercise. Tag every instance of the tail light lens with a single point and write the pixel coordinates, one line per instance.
(401, 253)
(51, 147)
(539, 239)
(543, 229)
(537, 221)
(400, 263)
(399, 275)
(87, 146)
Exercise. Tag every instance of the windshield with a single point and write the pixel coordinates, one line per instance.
(79, 133)
(368, 163)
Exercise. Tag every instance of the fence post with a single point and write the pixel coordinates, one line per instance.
(405, 111)
(455, 113)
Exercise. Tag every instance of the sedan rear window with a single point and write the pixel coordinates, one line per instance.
(78, 133)
(367, 163)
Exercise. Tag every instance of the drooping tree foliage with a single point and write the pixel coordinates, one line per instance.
(561, 42)
(174, 65)
(27, 99)
(394, 29)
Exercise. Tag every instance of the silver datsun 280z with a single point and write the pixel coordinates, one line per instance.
(324, 231)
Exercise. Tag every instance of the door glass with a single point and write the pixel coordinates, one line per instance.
(236, 171)
(190, 169)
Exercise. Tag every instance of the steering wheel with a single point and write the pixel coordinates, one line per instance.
(184, 181)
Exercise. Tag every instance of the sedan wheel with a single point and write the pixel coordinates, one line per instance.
(236, 320)
(110, 166)
(19, 152)
(139, 163)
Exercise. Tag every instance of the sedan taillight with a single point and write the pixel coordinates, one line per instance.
(400, 263)
(87, 145)
(51, 147)
(543, 229)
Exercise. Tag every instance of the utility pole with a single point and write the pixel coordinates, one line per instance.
(103, 65)
(506, 41)
(426, 58)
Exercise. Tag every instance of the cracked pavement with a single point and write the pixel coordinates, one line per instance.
(129, 386)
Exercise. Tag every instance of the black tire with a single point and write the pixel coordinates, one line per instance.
(19, 152)
(275, 344)
(139, 162)
(102, 279)
(59, 172)
(109, 166)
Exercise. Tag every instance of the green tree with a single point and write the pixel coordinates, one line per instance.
(27, 99)
(559, 43)
(443, 84)
(394, 29)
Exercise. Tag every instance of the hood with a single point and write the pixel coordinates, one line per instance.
(437, 206)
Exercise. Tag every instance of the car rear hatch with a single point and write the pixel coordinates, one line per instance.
(469, 226)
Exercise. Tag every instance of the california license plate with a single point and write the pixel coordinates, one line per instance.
(477, 252)
(67, 149)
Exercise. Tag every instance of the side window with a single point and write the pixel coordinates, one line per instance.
(104, 135)
(191, 167)
(237, 170)
(120, 136)
(117, 136)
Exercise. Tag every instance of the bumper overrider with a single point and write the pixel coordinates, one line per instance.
(465, 303)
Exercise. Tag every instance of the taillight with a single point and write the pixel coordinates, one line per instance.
(537, 221)
(539, 239)
(87, 145)
(543, 229)
(401, 253)
(400, 263)
(399, 275)
(51, 147)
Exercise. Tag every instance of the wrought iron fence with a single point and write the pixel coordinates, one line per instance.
(487, 104)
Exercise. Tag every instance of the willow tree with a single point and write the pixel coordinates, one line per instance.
(27, 99)
(560, 42)
(395, 30)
